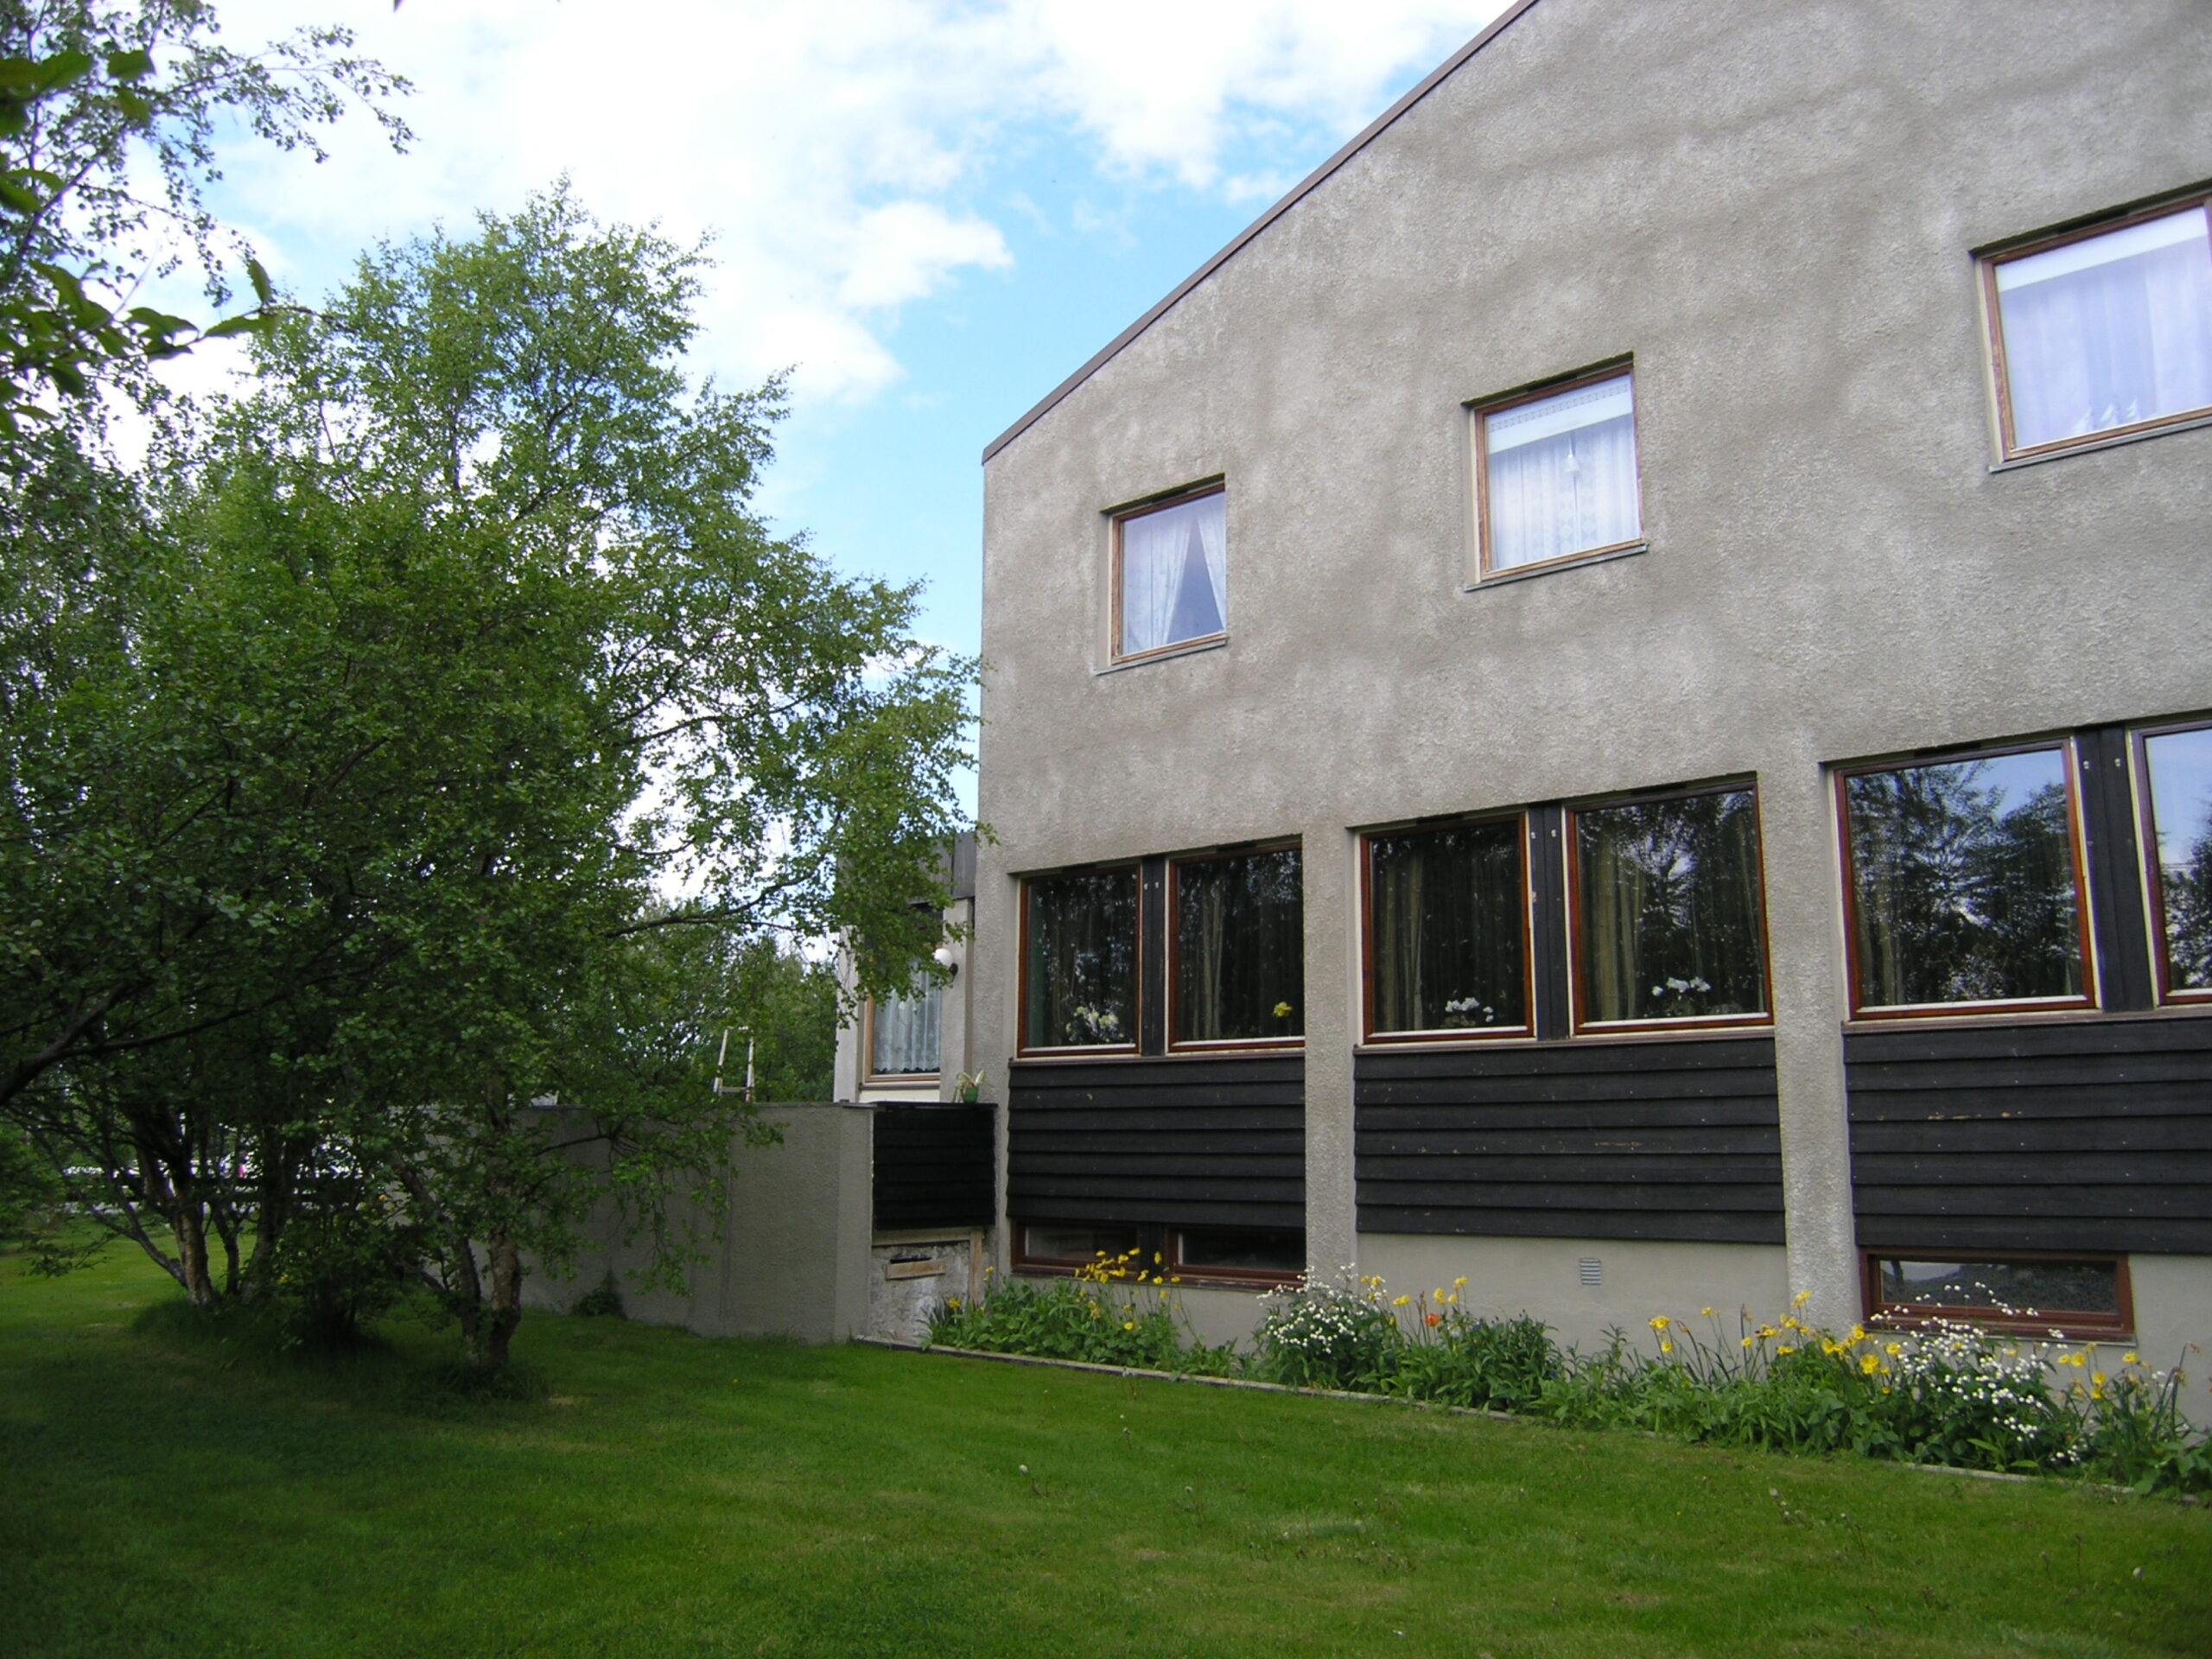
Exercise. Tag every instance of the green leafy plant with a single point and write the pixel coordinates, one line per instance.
(1113, 1311)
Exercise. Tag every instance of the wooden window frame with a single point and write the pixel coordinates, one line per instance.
(870, 1077)
(2084, 923)
(1178, 499)
(1527, 1028)
(2154, 874)
(1993, 332)
(1079, 1051)
(1178, 1268)
(1479, 415)
(1175, 902)
(1921, 1316)
(1577, 992)
(1142, 1235)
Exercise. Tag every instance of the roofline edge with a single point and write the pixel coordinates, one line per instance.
(1298, 192)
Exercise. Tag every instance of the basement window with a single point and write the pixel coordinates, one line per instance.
(2035, 1295)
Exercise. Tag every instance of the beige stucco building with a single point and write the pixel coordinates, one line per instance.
(1592, 705)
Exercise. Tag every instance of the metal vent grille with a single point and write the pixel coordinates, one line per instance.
(1593, 1271)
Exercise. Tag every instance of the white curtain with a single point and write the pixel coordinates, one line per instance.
(903, 1033)
(1174, 574)
(1562, 475)
(2108, 331)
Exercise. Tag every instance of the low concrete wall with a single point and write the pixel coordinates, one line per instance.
(792, 1259)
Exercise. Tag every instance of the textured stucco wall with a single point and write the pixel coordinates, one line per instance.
(792, 1257)
(1773, 208)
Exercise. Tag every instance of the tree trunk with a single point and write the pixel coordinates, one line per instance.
(505, 1312)
(191, 1223)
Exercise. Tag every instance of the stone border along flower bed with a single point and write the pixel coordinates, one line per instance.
(1942, 1394)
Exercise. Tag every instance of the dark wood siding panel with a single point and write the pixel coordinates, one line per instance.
(2091, 1134)
(1675, 1139)
(1212, 1142)
(935, 1166)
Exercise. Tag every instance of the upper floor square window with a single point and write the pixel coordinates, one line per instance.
(1555, 475)
(903, 1032)
(2177, 767)
(1668, 916)
(1171, 574)
(2103, 332)
(1079, 960)
(1964, 882)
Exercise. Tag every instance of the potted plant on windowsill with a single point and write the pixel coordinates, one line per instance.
(967, 1087)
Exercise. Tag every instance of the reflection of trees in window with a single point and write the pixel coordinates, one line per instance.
(2186, 889)
(1668, 908)
(1446, 917)
(1964, 883)
(2180, 765)
(1240, 948)
(1081, 976)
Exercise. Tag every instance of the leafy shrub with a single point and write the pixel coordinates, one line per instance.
(602, 1301)
(1316, 1335)
(1114, 1312)
(1946, 1393)
(341, 1264)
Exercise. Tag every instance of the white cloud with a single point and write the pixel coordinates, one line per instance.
(834, 149)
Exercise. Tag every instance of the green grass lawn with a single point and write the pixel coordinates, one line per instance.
(681, 1496)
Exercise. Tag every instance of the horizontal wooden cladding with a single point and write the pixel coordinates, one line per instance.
(1218, 1141)
(1678, 1138)
(2090, 1135)
(935, 1166)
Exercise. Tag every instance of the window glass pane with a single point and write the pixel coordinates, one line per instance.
(1240, 948)
(1174, 574)
(1447, 927)
(1963, 873)
(2039, 1288)
(1239, 1250)
(1082, 972)
(1668, 909)
(2180, 765)
(2109, 330)
(1561, 475)
(903, 1031)
(1075, 1240)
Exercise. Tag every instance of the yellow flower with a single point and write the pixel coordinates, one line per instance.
(1459, 1283)
(1705, 1312)
(1858, 1333)
(1784, 1349)
(1437, 1293)
(1747, 1342)
(952, 1301)
(1400, 1302)
(1869, 1363)
(1282, 1010)
(1666, 1347)
(2130, 1359)
(1893, 1348)
(1660, 1322)
(1453, 1297)
(1128, 1325)
(1800, 1298)
(2097, 1377)
(1830, 1348)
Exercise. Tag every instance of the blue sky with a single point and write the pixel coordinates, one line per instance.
(931, 210)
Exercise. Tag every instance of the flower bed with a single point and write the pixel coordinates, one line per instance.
(1944, 1393)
